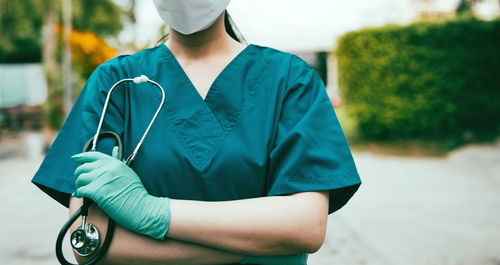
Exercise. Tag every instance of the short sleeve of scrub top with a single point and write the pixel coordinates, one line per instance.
(55, 174)
(265, 128)
(310, 151)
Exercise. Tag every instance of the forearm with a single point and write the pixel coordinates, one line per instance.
(274, 225)
(130, 248)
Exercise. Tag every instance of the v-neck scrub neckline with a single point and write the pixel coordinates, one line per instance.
(201, 124)
(170, 56)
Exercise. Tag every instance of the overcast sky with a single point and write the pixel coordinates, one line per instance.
(293, 24)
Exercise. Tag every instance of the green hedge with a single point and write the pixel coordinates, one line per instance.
(430, 80)
(20, 31)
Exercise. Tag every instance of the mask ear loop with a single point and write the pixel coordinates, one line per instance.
(229, 22)
(162, 38)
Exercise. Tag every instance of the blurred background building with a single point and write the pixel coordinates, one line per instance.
(23, 89)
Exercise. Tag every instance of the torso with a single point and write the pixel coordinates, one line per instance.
(213, 149)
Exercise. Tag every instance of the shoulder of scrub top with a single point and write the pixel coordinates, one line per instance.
(296, 65)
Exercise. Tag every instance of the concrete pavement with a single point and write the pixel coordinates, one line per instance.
(420, 211)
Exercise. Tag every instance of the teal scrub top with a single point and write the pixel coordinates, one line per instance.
(266, 127)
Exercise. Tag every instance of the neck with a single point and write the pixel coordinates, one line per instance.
(205, 43)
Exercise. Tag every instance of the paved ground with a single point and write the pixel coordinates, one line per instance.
(408, 210)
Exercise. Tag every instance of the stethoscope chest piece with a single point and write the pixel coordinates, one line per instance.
(85, 239)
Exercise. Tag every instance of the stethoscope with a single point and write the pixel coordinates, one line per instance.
(85, 239)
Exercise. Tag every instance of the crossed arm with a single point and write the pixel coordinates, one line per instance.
(223, 232)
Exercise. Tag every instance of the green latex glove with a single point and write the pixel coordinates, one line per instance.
(295, 259)
(119, 192)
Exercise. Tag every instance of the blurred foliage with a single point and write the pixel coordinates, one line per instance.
(27, 28)
(428, 80)
(54, 114)
(464, 7)
(88, 50)
(20, 30)
(21, 24)
(99, 16)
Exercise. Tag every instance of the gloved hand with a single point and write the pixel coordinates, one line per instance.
(119, 192)
(294, 259)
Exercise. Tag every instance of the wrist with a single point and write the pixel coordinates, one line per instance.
(159, 211)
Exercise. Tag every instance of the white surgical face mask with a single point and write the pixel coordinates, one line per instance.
(190, 16)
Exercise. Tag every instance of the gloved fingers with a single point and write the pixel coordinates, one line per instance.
(87, 167)
(76, 194)
(115, 151)
(85, 179)
(86, 157)
(89, 185)
(82, 192)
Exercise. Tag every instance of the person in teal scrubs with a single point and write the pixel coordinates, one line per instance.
(251, 169)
